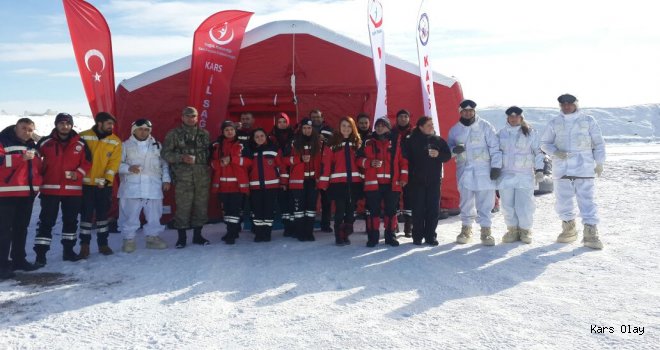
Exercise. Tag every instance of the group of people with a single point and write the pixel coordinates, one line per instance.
(258, 172)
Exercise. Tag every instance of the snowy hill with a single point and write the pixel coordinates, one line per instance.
(635, 123)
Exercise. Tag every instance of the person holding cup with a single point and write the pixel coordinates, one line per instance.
(186, 149)
(425, 152)
(478, 164)
(66, 159)
(144, 177)
(19, 168)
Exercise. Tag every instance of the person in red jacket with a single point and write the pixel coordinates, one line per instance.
(230, 179)
(385, 173)
(264, 177)
(19, 184)
(281, 135)
(341, 177)
(305, 165)
(399, 133)
(65, 161)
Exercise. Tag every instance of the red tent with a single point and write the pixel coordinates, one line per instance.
(332, 73)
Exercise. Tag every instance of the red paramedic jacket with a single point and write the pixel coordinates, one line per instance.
(339, 165)
(232, 177)
(394, 169)
(300, 171)
(18, 177)
(58, 158)
(264, 168)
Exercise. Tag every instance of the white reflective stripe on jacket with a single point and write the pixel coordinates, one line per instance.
(146, 184)
(578, 135)
(521, 155)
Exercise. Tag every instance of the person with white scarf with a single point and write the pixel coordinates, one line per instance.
(522, 165)
(575, 142)
(144, 176)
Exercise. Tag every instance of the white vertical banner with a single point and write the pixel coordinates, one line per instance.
(377, 38)
(425, 72)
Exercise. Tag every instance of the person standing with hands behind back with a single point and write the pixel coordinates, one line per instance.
(425, 152)
(478, 164)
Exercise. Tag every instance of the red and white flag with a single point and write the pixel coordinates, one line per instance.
(216, 46)
(425, 72)
(377, 38)
(92, 46)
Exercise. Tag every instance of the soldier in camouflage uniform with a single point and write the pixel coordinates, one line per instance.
(186, 149)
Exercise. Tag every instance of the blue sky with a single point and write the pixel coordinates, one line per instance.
(503, 52)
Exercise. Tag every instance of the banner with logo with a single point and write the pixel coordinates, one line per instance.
(90, 37)
(377, 38)
(216, 45)
(425, 72)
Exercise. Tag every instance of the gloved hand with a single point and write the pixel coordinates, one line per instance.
(561, 154)
(539, 175)
(459, 149)
(495, 173)
(599, 169)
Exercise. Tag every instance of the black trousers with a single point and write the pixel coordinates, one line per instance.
(425, 206)
(50, 208)
(284, 207)
(95, 204)
(15, 214)
(382, 202)
(407, 202)
(326, 208)
(303, 203)
(345, 196)
(232, 204)
(262, 203)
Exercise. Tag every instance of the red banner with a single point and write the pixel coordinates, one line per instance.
(90, 36)
(216, 46)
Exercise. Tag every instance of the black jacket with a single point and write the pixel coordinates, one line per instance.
(422, 169)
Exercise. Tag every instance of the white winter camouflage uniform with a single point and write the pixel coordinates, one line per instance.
(579, 135)
(482, 152)
(144, 190)
(521, 156)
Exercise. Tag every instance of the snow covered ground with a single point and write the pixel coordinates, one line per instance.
(292, 295)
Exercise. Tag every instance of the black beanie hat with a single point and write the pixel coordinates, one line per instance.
(226, 124)
(566, 98)
(467, 104)
(104, 116)
(385, 121)
(514, 110)
(64, 117)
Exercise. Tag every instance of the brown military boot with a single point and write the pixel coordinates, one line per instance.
(84, 251)
(105, 250)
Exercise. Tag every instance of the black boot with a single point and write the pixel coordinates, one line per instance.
(41, 250)
(339, 234)
(372, 238)
(390, 238)
(198, 238)
(181, 242)
(232, 229)
(24, 266)
(67, 251)
(407, 226)
(6, 273)
(309, 229)
(348, 230)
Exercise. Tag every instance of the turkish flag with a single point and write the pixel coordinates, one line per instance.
(90, 36)
(216, 45)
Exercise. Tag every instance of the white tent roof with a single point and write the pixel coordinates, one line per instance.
(270, 30)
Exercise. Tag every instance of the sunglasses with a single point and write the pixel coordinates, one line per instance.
(142, 122)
